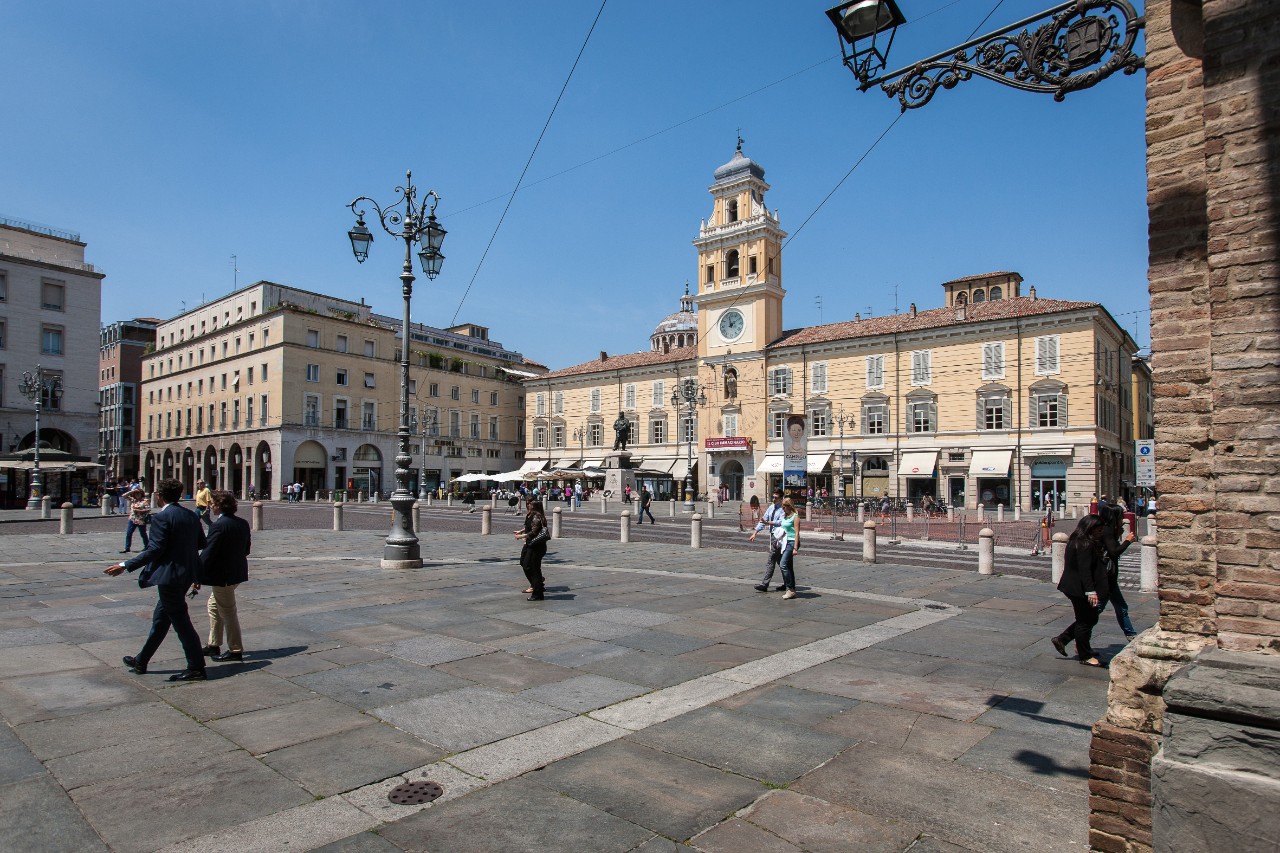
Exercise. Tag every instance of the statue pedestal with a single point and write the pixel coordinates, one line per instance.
(618, 474)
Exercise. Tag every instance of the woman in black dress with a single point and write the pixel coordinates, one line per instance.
(1084, 582)
(535, 535)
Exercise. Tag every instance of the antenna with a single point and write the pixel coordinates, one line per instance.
(235, 274)
(818, 300)
(895, 297)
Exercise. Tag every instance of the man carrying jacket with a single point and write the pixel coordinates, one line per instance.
(172, 564)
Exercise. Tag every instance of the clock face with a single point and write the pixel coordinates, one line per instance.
(731, 324)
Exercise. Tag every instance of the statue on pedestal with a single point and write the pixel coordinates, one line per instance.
(621, 432)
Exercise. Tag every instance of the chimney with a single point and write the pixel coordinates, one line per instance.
(960, 312)
(913, 309)
(1033, 293)
(857, 317)
(604, 356)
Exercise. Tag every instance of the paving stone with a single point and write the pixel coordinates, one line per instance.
(1038, 718)
(583, 693)
(771, 750)
(16, 761)
(68, 735)
(36, 814)
(973, 808)
(462, 719)
(141, 751)
(576, 653)
(295, 665)
(125, 625)
(485, 630)
(300, 828)
(365, 842)
(345, 655)
(702, 629)
(817, 826)
(736, 835)
(670, 795)
(231, 696)
(723, 655)
(942, 737)
(1057, 763)
(769, 640)
(182, 804)
(904, 663)
(379, 682)
(33, 635)
(507, 671)
(375, 634)
(950, 699)
(868, 721)
(590, 628)
(347, 760)
(790, 704)
(649, 669)
(44, 659)
(60, 694)
(431, 649)
(661, 642)
(275, 728)
(518, 815)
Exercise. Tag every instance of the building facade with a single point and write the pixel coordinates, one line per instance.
(122, 347)
(273, 385)
(50, 305)
(996, 398)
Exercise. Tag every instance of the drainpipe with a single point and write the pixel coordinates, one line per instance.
(1017, 454)
(893, 419)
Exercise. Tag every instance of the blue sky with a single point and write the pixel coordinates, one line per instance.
(173, 135)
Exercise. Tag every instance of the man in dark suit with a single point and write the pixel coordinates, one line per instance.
(172, 561)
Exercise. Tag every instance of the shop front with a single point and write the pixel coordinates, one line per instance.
(310, 462)
(918, 469)
(989, 471)
(729, 459)
(1048, 483)
(875, 478)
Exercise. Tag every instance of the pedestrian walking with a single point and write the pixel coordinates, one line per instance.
(224, 565)
(577, 495)
(645, 500)
(1114, 542)
(1084, 582)
(790, 527)
(885, 509)
(534, 535)
(204, 502)
(139, 514)
(626, 494)
(170, 563)
(768, 524)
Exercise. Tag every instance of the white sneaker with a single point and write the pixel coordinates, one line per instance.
(791, 593)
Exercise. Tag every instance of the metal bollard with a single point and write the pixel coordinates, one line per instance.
(869, 542)
(46, 507)
(417, 515)
(256, 516)
(66, 523)
(986, 551)
(624, 519)
(337, 516)
(486, 520)
(1150, 576)
(556, 516)
(999, 514)
(695, 531)
(1058, 556)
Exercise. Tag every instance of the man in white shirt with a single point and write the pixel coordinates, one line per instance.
(770, 522)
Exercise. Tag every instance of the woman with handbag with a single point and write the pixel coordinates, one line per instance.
(139, 508)
(1084, 582)
(535, 535)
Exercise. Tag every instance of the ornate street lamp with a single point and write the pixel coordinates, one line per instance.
(688, 394)
(580, 435)
(413, 222)
(428, 421)
(1076, 45)
(35, 386)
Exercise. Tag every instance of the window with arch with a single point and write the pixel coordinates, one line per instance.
(732, 209)
(731, 264)
(979, 295)
(996, 293)
(962, 299)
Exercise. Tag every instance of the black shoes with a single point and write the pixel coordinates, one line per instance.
(229, 656)
(760, 587)
(537, 596)
(211, 651)
(1060, 646)
(781, 589)
(131, 663)
(189, 675)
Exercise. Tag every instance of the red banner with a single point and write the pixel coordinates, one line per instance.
(737, 442)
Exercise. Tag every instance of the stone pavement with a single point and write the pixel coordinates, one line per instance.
(653, 702)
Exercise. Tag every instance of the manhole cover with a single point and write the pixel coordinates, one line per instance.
(935, 606)
(414, 793)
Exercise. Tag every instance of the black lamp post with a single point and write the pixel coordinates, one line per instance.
(580, 436)
(1076, 45)
(413, 222)
(34, 387)
(428, 426)
(688, 394)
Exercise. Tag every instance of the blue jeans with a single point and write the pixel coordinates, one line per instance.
(128, 534)
(1116, 597)
(640, 515)
(787, 565)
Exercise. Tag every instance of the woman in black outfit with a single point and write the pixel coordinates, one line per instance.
(1114, 542)
(1084, 581)
(535, 535)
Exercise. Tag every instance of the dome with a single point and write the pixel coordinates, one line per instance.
(738, 166)
(676, 330)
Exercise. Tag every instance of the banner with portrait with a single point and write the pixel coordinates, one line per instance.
(795, 452)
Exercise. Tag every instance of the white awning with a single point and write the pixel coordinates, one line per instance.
(655, 463)
(990, 463)
(561, 464)
(918, 463)
(533, 465)
(523, 374)
(593, 463)
(817, 462)
(681, 468)
(770, 465)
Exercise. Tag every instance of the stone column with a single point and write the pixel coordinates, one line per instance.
(695, 531)
(1150, 564)
(986, 551)
(257, 515)
(556, 517)
(417, 516)
(66, 524)
(46, 507)
(869, 542)
(1058, 557)
(624, 520)
(486, 520)
(337, 516)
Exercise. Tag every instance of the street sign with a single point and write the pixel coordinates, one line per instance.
(1144, 459)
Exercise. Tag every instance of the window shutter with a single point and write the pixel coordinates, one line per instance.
(1007, 419)
(1033, 410)
(818, 378)
(1062, 410)
(988, 361)
(982, 421)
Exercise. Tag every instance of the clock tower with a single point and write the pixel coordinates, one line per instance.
(739, 265)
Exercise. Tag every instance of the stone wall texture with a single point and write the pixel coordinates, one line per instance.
(1213, 179)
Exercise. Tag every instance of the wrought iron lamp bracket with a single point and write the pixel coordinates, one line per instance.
(407, 223)
(1082, 43)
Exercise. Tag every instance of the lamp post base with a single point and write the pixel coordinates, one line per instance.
(415, 563)
(33, 502)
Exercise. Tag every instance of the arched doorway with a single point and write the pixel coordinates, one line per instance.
(875, 477)
(54, 439)
(310, 461)
(731, 480)
(188, 475)
(262, 470)
(210, 475)
(149, 472)
(235, 470)
(166, 467)
(367, 469)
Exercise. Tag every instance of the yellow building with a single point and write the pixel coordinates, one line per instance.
(995, 398)
(272, 385)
